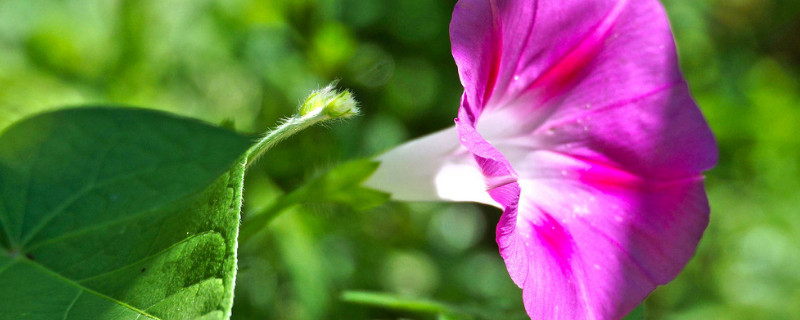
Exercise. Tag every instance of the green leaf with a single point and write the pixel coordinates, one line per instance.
(340, 185)
(116, 213)
(395, 302)
(453, 316)
(636, 314)
(391, 301)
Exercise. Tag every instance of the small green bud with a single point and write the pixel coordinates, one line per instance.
(330, 102)
(321, 105)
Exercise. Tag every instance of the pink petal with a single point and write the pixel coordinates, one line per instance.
(502, 47)
(597, 239)
(500, 178)
(587, 240)
(586, 100)
(659, 135)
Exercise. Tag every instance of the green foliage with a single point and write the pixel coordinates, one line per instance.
(340, 185)
(636, 314)
(389, 301)
(253, 61)
(118, 214)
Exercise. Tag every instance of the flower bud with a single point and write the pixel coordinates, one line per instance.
(330, 102)
(321, 105)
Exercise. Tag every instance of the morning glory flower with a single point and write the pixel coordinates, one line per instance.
(577, 123)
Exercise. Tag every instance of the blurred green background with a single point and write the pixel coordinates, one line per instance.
(252, 61)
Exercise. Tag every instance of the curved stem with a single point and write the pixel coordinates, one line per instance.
(286, 129)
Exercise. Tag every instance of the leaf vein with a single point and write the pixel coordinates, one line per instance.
(79, 286)
(93, 228)
(80, 194)
(90, 186)
(71, 305)
(5, 267)
(147, 257)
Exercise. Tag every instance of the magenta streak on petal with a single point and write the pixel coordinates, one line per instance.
(561, 75)
(518, 65)
(604, 174)
(618, 104)
(497, 54)
(601, 175)
(559, 243)
(557, 240)
(527, 41)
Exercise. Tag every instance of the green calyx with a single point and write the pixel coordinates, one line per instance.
(321, 105)
(330, 102)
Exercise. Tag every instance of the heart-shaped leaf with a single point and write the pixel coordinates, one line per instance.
(115, 213)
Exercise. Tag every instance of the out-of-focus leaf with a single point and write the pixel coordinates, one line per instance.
(118, 214)
(340, 185)
(395, 302)
(451, 316)
(299, 250)
(343, 185)
(636, 314)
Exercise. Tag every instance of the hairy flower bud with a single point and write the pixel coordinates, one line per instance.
(331, 102)
(321, 105)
